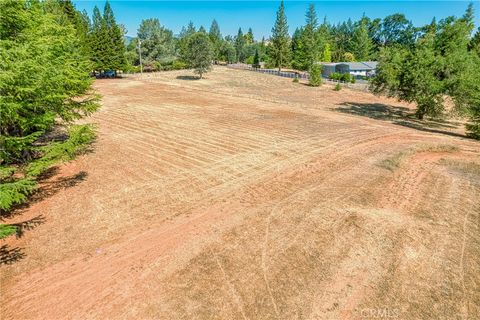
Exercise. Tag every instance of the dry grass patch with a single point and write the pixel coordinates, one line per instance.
(470, 168)
(394, 162)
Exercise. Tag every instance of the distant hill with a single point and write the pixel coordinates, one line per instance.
(128, 39)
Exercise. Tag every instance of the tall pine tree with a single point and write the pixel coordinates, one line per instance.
(106, 41)
(280, 52)
(240, 46)
(44, 81)
(306, 53)
(216, 39)
(362, 45)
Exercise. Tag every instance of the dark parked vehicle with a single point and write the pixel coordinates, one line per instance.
(104, 74)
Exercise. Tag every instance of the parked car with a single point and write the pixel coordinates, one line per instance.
(108, 74)
(104, 74)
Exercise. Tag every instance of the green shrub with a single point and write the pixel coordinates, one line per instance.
(473, 129)
(353, 80)
(315, 75)
(334, 76)
(338, 87)
(179, 65)
(346, 77)
(6, 230)
(256, 60)
(269, 64)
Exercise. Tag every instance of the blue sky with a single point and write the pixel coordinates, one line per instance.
(260, 15)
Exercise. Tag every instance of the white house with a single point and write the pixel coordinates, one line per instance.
(363, 68)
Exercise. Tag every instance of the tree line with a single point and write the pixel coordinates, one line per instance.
(347, 41)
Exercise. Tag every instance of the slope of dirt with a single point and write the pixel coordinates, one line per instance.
(246, 196)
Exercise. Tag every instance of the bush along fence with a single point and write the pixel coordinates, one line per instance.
(301, 75)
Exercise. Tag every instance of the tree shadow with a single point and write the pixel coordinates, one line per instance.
(9, 256)
(190, 78)
(401, 116)
(28, 225)
(48, 187)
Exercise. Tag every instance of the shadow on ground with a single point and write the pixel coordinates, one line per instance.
(9, 256)
(48, 187)
(188, 78)
(400, 116)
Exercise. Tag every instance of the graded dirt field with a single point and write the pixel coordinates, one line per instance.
(247, 196)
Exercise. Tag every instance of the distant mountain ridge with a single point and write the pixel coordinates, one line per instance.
(128, 39)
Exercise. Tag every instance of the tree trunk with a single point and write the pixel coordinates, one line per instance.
(420, 115)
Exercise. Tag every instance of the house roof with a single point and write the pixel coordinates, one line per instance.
(360, 66)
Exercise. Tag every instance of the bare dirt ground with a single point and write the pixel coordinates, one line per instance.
(246, 196)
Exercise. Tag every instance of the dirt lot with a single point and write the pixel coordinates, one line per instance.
(247, 196)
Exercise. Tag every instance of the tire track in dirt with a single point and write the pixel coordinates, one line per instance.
(130, 258)
(281, 217)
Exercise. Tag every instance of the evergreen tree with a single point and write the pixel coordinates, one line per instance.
(80, 21)
(190, 29)
(200, 53)
(460, 72)
(327, 54)
(474, 44)
(308, 38)
(375, 33)
(106, 41)
(439, 67)
(43, 81)
(296, 48)
(214, 32)
(249, 37)
(97, 39)
(216, 39)
(323, 38)
(240, 46)
(306, 51)
(315, 75)
(280, 39)
(342, 35)
(412, 76)
(116, 45)
(185, 34)
(361, 43)
(256, 60)
(227, 52)
(157, 43)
